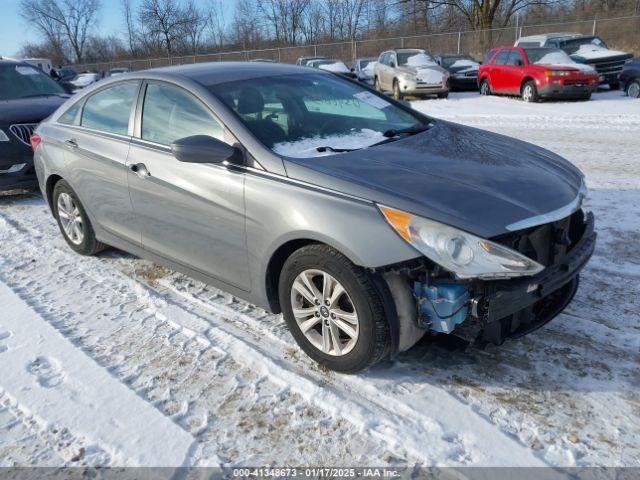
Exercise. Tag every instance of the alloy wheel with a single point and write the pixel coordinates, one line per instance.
(634, 90)
(324, 312)
(70, 218)
(484, 88)
(527, 93)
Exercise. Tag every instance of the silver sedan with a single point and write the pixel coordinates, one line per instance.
(318, 197)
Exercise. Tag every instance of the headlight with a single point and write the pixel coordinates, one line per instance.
(460, 252)
(557, 73)
(3, 136)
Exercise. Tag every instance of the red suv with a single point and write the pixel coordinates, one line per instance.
(535, 73)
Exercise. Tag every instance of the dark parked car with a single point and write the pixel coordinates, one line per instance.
(365, 222)
(463, 70)
(27, 95)
(630, 78)
(64, 76)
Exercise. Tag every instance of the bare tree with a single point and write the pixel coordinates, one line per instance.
(285, 17)
(216, 23)
(162, 22)
(195, 21)
(130, 26)
(68, 20)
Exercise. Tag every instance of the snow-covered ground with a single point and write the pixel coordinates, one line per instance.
(112, 360)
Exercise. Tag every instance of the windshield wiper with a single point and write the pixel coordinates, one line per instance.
(413, 129)
(336, 150)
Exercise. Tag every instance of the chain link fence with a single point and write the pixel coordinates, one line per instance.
(620, 33)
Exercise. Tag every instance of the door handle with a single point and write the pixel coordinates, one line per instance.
(140, 169)
(71, 143)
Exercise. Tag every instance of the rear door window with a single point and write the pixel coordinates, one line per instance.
(501, 58)
(109, 110)
(171, 113)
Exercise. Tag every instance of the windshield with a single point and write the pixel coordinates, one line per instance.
(573, 45)
(295, 114)
(416, 58)
(21, 81)
(459, 61)
(548, 56)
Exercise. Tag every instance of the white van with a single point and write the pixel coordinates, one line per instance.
(43, 64)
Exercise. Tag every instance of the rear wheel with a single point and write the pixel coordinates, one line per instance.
(485, 88)
(529, 92)
(397, 94)
(333, 309)
(73, 220)
(633, 89)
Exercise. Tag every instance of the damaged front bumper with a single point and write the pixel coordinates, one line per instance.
(492, 311)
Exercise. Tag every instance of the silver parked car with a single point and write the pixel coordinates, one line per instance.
(410, 71)
(364, 222)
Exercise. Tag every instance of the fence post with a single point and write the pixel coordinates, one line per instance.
(401, 42)
(593, 30)
(354, 50)
(315, 50)
(278, 55)
(459, 38)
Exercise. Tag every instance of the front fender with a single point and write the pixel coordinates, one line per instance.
(280, 210)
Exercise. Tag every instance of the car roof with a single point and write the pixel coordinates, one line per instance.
(546, 36)
(213, 73)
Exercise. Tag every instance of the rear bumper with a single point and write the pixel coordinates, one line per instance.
(510, 309)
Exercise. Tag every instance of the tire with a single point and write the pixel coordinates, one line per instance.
(443, 95)
(376, 84)
(614, 86)
(67, 205)
(369, 338)
(397, 94)
(529, 92)
(633, 88)
(485, 88)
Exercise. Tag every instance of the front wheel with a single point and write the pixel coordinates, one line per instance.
(633, 89)
(530, 93)
(397, 94)
(333, 309)
(376, 84)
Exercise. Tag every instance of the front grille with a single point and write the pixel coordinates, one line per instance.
(578, 82)
(547, 244)
(471, 74)
(608, 67)
(23, 131)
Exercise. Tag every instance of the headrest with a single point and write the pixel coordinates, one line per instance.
(250, 100)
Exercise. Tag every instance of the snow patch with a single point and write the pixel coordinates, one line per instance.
(307, 147)
(337, 67)
(591, 52)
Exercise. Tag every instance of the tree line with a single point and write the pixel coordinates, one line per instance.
(70, 29)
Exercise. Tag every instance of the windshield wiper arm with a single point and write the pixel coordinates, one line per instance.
(413, 129)
(337, 150)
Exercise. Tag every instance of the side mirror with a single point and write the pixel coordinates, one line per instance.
(204, 149)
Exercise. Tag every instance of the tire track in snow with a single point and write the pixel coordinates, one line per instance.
(397, 419)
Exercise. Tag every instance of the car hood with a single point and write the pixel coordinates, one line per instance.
(414, 70)
(468, 178)
(30, 110)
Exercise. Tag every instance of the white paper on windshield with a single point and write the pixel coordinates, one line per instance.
(371, 99)
(26, 70)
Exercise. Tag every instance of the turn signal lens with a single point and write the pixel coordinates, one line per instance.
(398, 219)
(35, 141)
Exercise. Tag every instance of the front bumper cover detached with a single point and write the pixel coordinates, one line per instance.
(512, 308)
